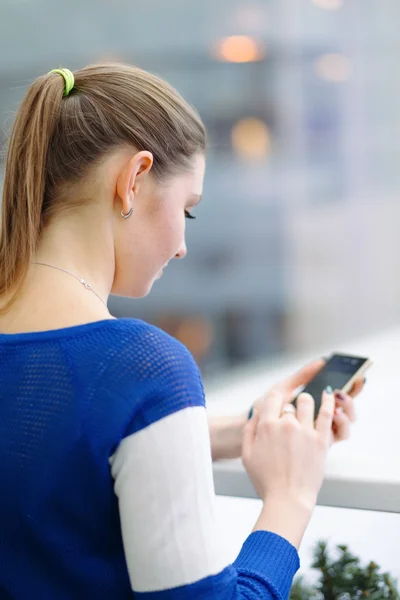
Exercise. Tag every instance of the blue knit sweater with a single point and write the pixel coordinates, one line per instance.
(106, 474)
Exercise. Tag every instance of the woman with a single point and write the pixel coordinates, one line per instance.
(105, 448)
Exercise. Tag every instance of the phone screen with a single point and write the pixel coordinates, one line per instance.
(338, 370)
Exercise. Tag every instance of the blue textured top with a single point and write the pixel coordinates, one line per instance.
(106, 474)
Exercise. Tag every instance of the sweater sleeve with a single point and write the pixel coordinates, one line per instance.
(162, 471)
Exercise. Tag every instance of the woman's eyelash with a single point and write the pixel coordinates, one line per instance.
(188, 215)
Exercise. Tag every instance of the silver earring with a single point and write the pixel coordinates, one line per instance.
(127, 215)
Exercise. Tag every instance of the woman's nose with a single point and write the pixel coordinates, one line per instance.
(182, 251)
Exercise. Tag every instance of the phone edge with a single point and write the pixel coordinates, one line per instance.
(347, 388)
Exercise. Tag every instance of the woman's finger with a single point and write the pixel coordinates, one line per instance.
(303, 376)
(305, 406)
(325, 415)
(347, 403)
(341, 427)
(357, 387)
(271, 407)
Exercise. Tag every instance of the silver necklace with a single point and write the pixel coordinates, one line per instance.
(82, 281)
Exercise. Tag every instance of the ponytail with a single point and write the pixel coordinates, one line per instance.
(25, 182)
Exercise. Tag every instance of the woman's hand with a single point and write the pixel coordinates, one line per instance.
(344, 403)
(226, 432)
(284, 454)
(345, 412)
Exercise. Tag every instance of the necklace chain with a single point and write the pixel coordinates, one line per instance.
(82, 281)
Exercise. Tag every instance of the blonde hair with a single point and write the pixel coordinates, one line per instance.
(55, 140)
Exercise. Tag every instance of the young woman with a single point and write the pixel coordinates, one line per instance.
(105, 447)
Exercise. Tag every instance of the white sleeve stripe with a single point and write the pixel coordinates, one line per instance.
(164, 483)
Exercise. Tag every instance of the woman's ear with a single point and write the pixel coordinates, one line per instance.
(132, 176)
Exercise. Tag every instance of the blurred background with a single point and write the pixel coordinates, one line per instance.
(295, 246)
(296, 240)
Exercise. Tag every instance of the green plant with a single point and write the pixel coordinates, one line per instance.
(343, 578)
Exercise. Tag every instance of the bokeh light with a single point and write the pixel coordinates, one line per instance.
(251, 139)
(333, 67)
(238, 49)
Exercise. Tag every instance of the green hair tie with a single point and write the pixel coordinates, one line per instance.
(68, 78)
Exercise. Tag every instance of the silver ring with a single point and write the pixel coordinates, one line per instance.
(288, 409)
(128, 214)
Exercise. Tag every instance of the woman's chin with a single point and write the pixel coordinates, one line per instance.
(136, 291)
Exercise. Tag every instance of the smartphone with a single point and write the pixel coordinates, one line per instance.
(340, 372)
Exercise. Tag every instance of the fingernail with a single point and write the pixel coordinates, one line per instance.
(250, 413)
(340, 396)
(328, 389)
(338, 410)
